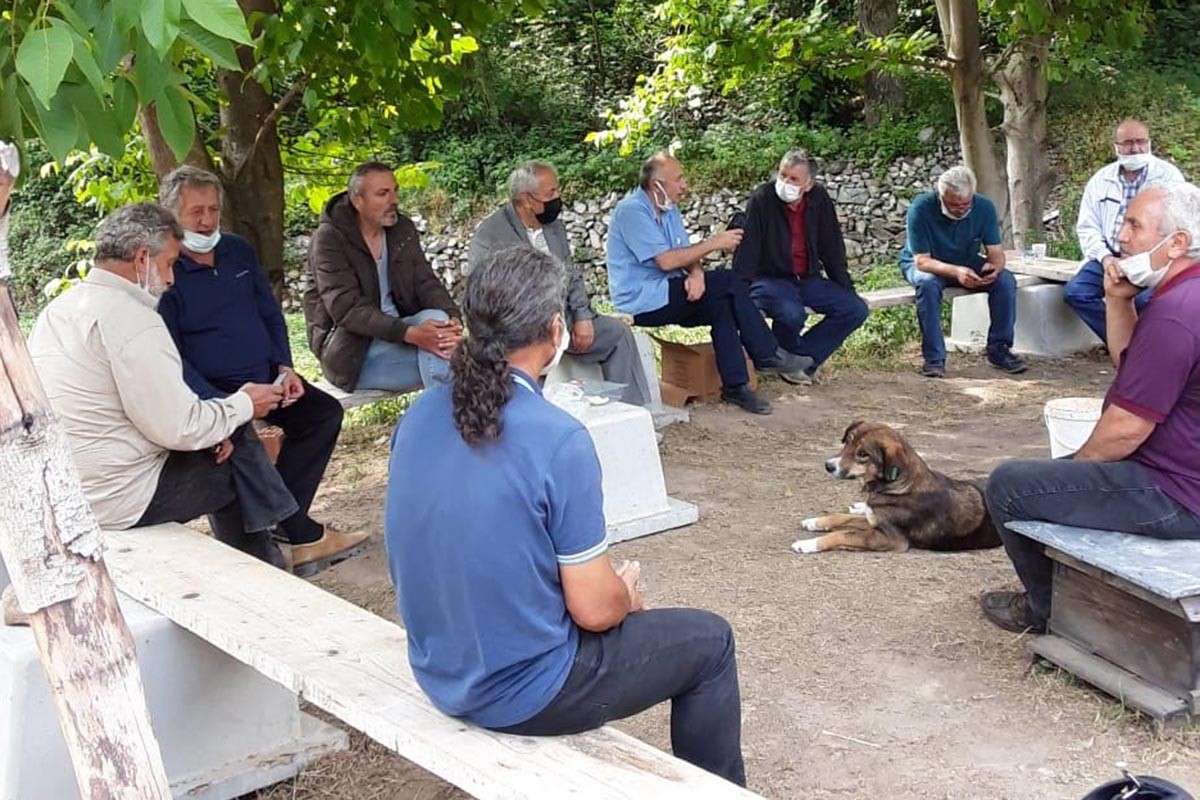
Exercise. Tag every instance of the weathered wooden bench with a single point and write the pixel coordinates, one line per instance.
(903, 295)
(354, 665)
(1125, 615)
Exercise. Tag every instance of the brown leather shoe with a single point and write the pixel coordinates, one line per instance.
(1010, 611)
(334, 546)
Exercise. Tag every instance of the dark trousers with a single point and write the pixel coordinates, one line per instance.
(243, 495)
(1112, 496)
(735, 321)
(310, 426)
(786, 300)
(677, 654)
(1085, 294)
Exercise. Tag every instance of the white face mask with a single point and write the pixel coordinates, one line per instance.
(1134, 161)
(564, 341)
(154, 284)
(951, 215)
(665, 204)
(1140, 272)
(787, 192)
(199, 243)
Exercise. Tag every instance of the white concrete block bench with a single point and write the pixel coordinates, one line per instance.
(1125, 615)
(354, 665)
(224, 730)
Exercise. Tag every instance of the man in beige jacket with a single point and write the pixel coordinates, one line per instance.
(147, 448)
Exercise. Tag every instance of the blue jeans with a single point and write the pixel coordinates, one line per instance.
(784, 300)
(399, 367)
(679, 654)
(1002, 306)
(1085, 294)
(1107, 496)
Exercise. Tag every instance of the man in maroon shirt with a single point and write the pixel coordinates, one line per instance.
(1140, 470)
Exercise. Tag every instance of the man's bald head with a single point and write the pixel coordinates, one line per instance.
(654, 167)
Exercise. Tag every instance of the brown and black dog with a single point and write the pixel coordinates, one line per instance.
(908, 504)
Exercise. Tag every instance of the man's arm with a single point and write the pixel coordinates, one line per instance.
(169, 311)
(578, 303)
(685, 257)
(1089, 227)
(1120, 312)
(596, 597)
(1117, 435)
(831, 244)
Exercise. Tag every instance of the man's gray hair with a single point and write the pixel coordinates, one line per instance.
(959, 180)
(1180, 212)
(651, 166)
(795, 158)
(362, 171)
(170, 191)
(130, 228)
(525, 178)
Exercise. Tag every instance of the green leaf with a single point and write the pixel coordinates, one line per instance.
(150, 72)
(126, 13)
(208, 44)
(72, 17)
(112, 41)
(59, 127)
(176, 122)
(84, 59)
(11, 128)
(222, 17)
(42, 60)
(125, 102)
(101, 123)
(160, 23)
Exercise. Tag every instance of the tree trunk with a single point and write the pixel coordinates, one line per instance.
(880, 90)
(252, 169)
(960, 31)
(1023, 89)
(52, 550)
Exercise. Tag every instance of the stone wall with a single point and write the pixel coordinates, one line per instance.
(871, 202)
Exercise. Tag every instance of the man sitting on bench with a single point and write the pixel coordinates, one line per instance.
(148, 450)
(496, 542)
(230, 332)
(531, 217)
(1139, 472)
(378, 317)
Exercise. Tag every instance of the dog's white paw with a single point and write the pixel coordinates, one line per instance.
(860, 508)
(804, 546)
(812, 524)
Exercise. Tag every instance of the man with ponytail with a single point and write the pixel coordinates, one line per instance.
(516, 619)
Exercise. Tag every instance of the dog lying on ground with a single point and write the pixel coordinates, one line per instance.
(907, 503)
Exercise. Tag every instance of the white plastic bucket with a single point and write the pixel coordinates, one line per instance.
(1070, 421)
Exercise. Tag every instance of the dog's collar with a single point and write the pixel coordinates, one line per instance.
(891, 475)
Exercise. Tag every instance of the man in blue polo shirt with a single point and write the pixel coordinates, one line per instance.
(230, 331)
(954, 240)
(657, 275)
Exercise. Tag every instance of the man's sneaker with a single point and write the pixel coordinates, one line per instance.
(789, 366)
(933, 369)
(332, 547)
(1010, 611)
(745, 398)
(1006, 360)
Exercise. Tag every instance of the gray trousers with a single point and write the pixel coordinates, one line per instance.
(615, 350)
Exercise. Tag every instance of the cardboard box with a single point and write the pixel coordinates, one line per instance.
(690, 371)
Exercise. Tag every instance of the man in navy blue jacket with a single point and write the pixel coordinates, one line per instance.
(230, 331)
(792, 235)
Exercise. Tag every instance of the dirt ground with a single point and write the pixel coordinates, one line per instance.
(862, 675)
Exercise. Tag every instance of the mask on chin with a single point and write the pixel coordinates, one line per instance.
(665, 204)
(564, 341)
(153, 283)
(1134, 162)
(199, 243)
(1140, 272)
(950, 214)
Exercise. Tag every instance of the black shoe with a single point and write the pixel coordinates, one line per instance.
(933, 369)
(1010, 611)
(745, 398)
(262, 546)
(1006, 360)
(791, 367)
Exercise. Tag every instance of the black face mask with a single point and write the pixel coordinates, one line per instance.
(550, 212)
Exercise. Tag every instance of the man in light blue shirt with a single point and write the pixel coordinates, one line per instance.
(657, 275)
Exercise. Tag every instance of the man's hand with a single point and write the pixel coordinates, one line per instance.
(726, 239)
(266, 397)
(293, 387)
(1116, 285)
(693, 285)
(630, 572)
(224, 450)
(435, 336)
(583, 336)
(968, 278)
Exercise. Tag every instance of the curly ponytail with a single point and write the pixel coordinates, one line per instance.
(510, 303)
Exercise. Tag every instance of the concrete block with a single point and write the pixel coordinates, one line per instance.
(224, 730)
(1046, 326)
(635, 492)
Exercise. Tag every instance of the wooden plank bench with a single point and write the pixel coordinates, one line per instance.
(354, 665)
(903, 295)
(1125, 615)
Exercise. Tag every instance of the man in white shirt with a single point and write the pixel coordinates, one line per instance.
(147, 448)
(1101, 212)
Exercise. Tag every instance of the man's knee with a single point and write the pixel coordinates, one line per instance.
(858, 311)
(1005, 484)
(1082, 286)
(427, 314)
(1006, 284)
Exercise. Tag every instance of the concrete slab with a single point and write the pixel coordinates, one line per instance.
(1046, 326)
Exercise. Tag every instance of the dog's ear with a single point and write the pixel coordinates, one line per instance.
(846, 434)
(891, 461)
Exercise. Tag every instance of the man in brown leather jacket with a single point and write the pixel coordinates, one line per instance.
(378, 317)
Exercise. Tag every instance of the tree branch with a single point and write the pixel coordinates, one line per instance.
(267, 122)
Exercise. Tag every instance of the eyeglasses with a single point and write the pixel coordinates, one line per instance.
(1128, 145)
